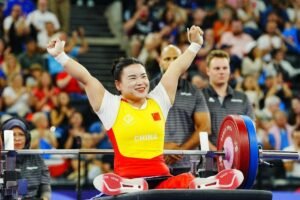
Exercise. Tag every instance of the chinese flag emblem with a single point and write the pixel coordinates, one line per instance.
(156, 116)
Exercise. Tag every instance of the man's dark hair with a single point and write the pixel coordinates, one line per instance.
(120, 64)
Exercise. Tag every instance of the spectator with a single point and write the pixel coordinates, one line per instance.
(291, 35)
(271, 105)
(11, 66)
(294, 114)
(138, 27)
(44, 36)
(37, 19)
(35, 72)
(42, 137)
(249, 14)
(252, 63)
(271, 38)
(236, 38)
(281, 89)
(76, 131)
(280, 134)
(223, 24)
(251, 88)
(280, 66)
(30, 56)
(16, 97)
(15, 29)
(294, 11)
(45, 95)
(3, 51)
(27, 6)
(60, 116)
(292, 167)
(199, 18)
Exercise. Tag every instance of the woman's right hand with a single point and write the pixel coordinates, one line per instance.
(55, 47)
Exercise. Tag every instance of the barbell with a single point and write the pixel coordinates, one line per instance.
(237, 148)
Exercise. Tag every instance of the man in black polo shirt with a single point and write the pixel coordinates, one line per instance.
(221, 99)
(188, 116)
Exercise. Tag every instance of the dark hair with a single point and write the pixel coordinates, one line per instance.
(120, 64)
(17, 122)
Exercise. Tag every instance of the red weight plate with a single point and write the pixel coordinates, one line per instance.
(233, 140)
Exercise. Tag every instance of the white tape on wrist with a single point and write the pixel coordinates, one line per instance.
(62, 58)
(194, 47)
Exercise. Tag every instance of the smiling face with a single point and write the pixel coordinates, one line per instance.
(134, 83)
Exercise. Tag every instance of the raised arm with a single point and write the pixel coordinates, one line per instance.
(183, 62)
(93, 88)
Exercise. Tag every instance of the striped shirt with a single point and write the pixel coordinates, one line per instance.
(34, 170)
(234, 102)
(180, 121)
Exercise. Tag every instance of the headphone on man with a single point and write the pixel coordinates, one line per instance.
(16, 122)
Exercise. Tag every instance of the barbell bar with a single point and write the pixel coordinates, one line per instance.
(264, 154)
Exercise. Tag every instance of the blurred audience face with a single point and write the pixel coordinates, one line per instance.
(31, 46)
(271, 28)
(16, 11)
(76, 119)
(11, 61)
(63, 98)
(226, 15)
(296, 137)
(49, 26)
(42, 5)
(40, 120)
(209, 36)
(45, 79)
(250, 83)
(198, 16)
(17, 80)
(144, 13)
(280, 119)
(168, 55)
(237, 27)
(296, 105)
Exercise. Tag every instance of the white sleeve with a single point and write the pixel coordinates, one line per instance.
(7, 23)
(109, 109)
(55, 21)
(159, 94)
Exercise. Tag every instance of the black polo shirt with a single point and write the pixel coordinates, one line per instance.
(234, 102)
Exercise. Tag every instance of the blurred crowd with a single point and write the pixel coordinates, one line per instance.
(263, 40)
(34, 86)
